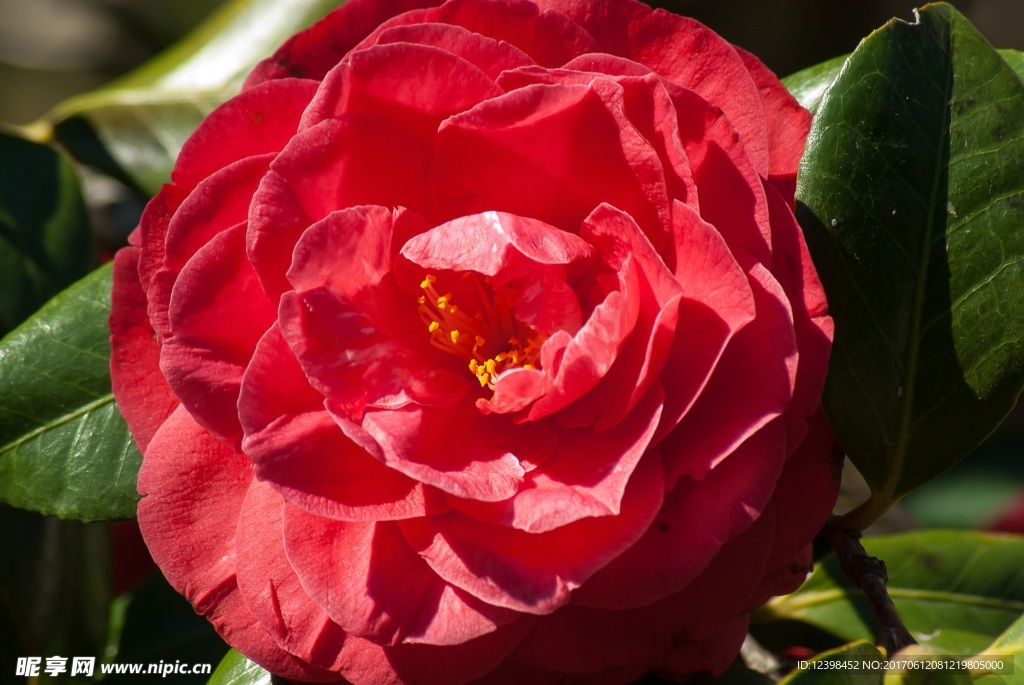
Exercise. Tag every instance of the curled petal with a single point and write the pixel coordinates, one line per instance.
(587, 475)
(535, 573)
(420, 442)
(375, 586)
(592, 351)
(296, 445)
(375, 81)
(487, 54)
(357, 159)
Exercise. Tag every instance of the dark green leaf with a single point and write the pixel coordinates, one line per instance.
(134, 128)
(808, 85)
(44, 232)
(955, 591)
(64, 448)
(911, 196)
(235, 669)
(821, 671)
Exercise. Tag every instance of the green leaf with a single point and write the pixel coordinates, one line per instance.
(235, 669)
(955, 591)
(821, 671)
(1005, 651)
(134, 128)
(45, 244)
(64, 448)
(1015, 58)
(809, 85)
(911, 197)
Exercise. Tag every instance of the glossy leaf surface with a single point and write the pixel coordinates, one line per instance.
(911, 197)
(235, 669)
(64, 448)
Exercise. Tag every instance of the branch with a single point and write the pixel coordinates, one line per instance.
(869, 574)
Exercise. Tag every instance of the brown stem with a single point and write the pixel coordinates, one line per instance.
(869, 574)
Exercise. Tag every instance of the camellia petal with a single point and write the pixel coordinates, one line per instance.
(489, 158)
(204, 362)
(373, 81)
(535, 573)
(586, 476)
(145, 398)
(296, 445)
(386, 593)
(271, 589)
(190, 481)
(676, 549)
(487, 54)
(347, 161)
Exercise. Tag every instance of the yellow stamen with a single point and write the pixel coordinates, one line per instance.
(466, 336)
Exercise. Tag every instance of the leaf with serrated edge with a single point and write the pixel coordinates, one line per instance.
(134, 128)
(911, 197)
(235, 669)
(855, 652)
(956, 591)
(64, 448)
(45, 243)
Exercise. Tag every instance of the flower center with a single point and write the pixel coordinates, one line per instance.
(491, 340)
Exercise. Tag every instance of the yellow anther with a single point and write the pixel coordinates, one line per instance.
(466, 335)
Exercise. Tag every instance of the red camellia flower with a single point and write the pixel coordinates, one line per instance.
(478, 340)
